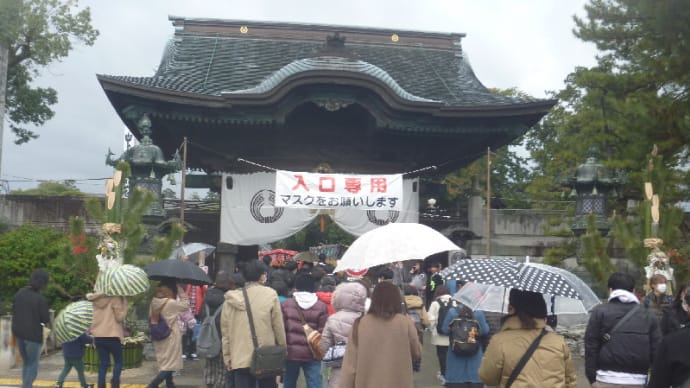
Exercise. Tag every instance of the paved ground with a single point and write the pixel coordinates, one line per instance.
(192, 375)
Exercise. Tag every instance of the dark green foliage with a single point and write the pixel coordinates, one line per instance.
(163, 246)
(36, 34)
(66, 188)
(30, 247)
(594, 253)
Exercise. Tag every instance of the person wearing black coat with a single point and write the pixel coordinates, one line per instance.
(29, 315)
(215, 375)
(672, 365)
(625, 357)
(674, 316)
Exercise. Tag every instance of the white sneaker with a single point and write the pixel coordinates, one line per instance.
(440, 378)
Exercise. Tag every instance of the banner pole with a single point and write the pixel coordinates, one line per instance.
(184, 179)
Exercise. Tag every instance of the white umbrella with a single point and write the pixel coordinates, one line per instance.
(394, 242)
(492, 298)
(192, 249)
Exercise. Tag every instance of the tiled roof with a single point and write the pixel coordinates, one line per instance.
(215, 64)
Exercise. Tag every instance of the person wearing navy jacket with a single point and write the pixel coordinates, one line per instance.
(72, 353)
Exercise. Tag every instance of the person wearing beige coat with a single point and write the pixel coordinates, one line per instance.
(238, 346)
(551, 365)
(168, 350)
(109, 313)
(382, 345)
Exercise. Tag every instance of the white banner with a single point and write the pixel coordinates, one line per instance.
(333, 191)
(248, 215)
(358, 222)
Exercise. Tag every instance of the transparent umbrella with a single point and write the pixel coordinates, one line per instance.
(192, 251)
(492, 279)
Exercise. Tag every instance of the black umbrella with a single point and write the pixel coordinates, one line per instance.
(182, 271)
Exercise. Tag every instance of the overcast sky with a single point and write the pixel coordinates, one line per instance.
(523, 44)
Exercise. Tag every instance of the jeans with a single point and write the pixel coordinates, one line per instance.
(243, 379)
(166, 375)
(106, 347)
(76, 363)
(31, 353)
(312, 373)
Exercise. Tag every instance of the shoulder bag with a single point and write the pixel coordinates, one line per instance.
(267, 360)
(313, 336)
(528, 354)
(607, 336)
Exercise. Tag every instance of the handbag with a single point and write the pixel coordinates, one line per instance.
(267, 360)
(158, 327)
(313, 337)
(335, 354)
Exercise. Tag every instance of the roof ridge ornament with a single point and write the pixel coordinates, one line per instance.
(335, 41)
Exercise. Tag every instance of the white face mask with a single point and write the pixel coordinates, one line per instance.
(661, 288)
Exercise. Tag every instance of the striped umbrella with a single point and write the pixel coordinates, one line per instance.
(74, 320)
(123, 280)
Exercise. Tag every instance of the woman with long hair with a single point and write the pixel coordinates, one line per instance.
(549, 366)
(383, 344)
(169, 301)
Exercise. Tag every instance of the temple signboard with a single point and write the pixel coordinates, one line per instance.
(329, 191)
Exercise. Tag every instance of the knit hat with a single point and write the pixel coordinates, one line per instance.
(305, 282)
(528, 302)
(327, 283)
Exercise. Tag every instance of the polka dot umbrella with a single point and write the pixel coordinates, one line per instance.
(511, 274)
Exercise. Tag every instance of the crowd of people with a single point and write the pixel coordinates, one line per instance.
(371, 331)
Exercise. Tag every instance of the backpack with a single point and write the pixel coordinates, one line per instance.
(414, 313)
(158, 326)
(443, 308)
(208, 341)
(464, 333)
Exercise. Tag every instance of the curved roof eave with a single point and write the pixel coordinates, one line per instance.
(312, 77)
(329, 64)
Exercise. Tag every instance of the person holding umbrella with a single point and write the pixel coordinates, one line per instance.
(549, 365)
(108, 330)
(169, 301)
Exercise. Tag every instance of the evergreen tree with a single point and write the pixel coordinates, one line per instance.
(36, 34)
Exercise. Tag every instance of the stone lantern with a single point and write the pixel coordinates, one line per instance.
(148, 168)
(591, 186)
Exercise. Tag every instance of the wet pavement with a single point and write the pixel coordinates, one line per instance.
(192, 375)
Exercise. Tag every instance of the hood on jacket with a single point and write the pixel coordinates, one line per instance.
(304, 299)
(350, 296)
(236, 299)
(99, 300)
(512, 322)
(156, 303)
(413, 301)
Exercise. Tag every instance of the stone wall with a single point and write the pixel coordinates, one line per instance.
(48, 211)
